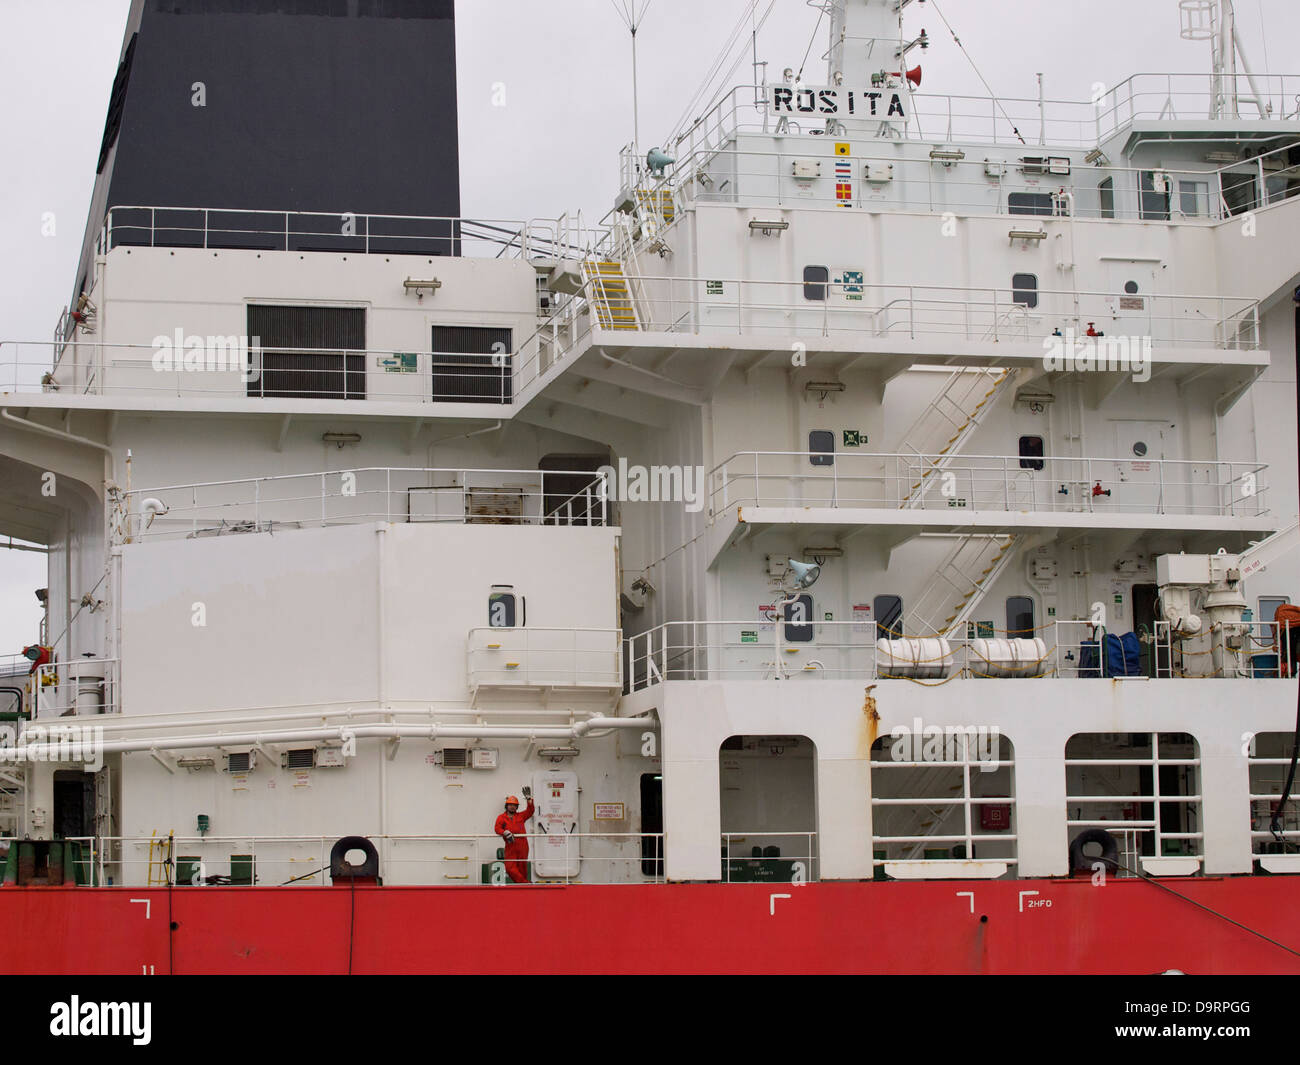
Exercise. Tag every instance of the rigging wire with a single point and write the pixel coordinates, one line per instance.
(706, 90)
(996, 101)
(1200, 906)
(808, 50)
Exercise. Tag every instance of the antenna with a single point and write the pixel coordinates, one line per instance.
(633, 14)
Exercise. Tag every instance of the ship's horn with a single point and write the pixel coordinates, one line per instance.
(914, 76)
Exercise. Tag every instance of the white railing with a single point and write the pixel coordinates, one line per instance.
(1142, 97)
(1203, 195)
(882, 480)
(343, 231)
(778, 857)
(751, 649)
(850, 311)
(348, 497)
(858, 311)
(444, 859)
(530, 656)
(80, 686)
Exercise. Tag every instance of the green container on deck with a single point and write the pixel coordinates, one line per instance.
(241, 869)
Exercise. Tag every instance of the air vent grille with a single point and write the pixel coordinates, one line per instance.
(301, 758)
(455, 758)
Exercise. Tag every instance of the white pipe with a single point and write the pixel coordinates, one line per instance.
(132, 724)
(41, 751)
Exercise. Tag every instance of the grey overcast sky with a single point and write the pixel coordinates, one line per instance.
(553, 147)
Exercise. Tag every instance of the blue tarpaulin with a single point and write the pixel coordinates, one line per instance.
(1122, 657)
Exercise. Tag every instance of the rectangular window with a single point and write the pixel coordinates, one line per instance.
(889, 616)
(1106, 192)
(1194, 198)
(799, 620)
(1031, 453)
(1020, 617)
(472, 364)
(502, 607)
(821, 447)
(1030, 203)
(1268, 605)
(1024, 289)
(309, 352)
(1239, 192)
(1153, 203)
(815, 280)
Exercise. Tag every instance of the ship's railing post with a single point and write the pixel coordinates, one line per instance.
(323, 490)
(911, 311)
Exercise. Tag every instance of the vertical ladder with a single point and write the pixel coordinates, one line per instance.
(609, 294)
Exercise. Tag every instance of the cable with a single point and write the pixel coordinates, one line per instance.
(1275, 825)
(808, 51)
(995, 100)
(1200, 906)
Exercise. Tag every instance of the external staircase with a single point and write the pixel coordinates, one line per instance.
(609, 294)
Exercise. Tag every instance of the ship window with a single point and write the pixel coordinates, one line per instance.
(821, 447)
(309, 352)
(1031, 453)
(1024, 289)
(1238, 192)
(814, 282)
(1143, 788)
(889, 616)
(1194, 198)
(798, 620)
(504, 608)
(955, 786)
(1152, 202)
(472, 364)
(1030, 203)
(1106, 193)
(1270, 758)
(1268, 605)
(1020, 617)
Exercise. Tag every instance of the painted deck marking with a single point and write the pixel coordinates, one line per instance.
(147, 906)
(146, 970)
(968, 895)
(1023, 895)
(771, 902)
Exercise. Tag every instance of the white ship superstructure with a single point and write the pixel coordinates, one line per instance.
(352, 536)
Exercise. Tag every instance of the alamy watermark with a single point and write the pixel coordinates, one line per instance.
(61, 743)
(919, 742)
(656, 484)
(211, 354)
(1072, 353)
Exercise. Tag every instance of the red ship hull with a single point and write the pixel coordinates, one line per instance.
(1001, 927)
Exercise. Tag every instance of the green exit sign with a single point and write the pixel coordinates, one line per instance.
(854, 438)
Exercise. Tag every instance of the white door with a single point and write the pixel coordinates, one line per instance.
(1142, 481)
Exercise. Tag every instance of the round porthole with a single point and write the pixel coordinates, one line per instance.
(1131, 287)
(1139, 449)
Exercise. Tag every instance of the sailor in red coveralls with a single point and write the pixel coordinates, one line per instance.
(511, 827)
